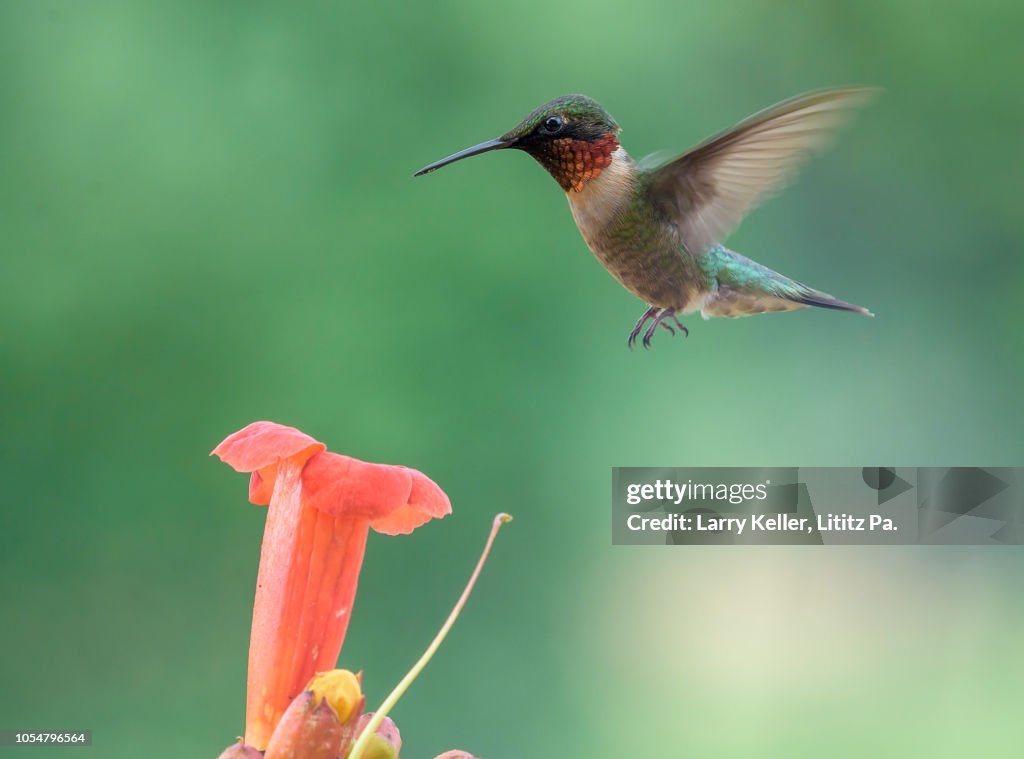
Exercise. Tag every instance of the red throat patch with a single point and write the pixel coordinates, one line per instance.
(573, 163)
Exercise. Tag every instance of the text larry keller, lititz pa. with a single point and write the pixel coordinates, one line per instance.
(758, 523)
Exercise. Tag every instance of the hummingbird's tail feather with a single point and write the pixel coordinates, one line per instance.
(824, 300)
(745, 287)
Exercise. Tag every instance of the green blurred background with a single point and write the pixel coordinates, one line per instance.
(208, 218)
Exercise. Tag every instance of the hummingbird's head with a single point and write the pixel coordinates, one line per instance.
(572, 137)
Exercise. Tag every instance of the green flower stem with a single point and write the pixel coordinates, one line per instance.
(371, 727)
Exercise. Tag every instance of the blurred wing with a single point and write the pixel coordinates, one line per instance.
(709, 190)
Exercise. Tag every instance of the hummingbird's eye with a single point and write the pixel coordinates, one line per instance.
(553, 124)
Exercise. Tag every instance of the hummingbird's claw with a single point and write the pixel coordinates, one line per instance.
(686, 332)
(659, 315)
(648, 314)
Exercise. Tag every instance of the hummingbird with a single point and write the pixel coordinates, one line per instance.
(657, 226)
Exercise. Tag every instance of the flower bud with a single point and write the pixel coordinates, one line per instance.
(319, 723)
(385, 743)
(240, 751)
(342, 690)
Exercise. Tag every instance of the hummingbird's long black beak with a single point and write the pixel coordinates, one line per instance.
(483, 147)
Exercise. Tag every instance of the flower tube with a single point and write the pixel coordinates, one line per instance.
(321, 508)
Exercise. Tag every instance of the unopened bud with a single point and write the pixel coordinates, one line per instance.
(341, 689)
(240, 751)
(319, 724)
(386, 741)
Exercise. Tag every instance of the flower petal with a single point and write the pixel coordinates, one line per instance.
(263, 444)
(260, 490)
(426, 501)
(259, 448)
(343, 486)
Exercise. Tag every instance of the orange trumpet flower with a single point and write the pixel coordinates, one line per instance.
(321, 508)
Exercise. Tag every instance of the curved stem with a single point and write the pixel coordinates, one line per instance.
(371, 727)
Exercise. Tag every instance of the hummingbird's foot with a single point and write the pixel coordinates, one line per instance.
(648, 314)
(681, 326)
(659, 321)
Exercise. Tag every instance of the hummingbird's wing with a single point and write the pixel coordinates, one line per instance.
(707, 191)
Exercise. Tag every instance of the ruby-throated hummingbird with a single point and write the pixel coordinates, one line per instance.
(657, 227)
